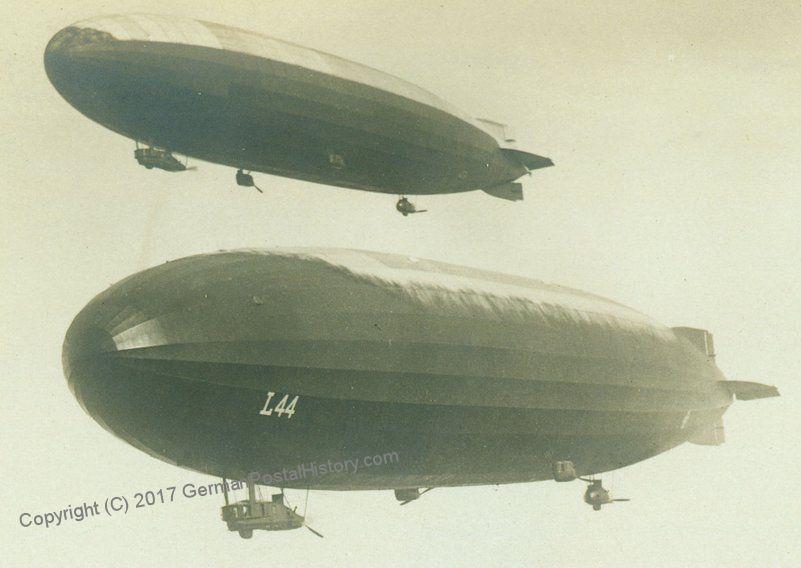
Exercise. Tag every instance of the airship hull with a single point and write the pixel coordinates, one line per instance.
(452, 376)
(309, 116)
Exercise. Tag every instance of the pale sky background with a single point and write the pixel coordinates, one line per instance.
(675, 131)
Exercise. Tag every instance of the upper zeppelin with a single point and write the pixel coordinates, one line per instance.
(251, 102)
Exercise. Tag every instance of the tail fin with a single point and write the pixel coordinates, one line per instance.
(747, 390)
(530, 161)
(712, 434)
(514, 191)
(508, 191)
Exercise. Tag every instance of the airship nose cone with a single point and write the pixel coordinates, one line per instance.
(56, 56)
(95, 348)
(83, 342)
(87, 358)
(93, 357)
(67, 61)
(123, 363)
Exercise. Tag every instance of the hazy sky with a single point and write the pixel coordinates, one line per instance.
(675, 131)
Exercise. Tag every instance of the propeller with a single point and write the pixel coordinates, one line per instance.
(312, 530)
(187, 167)
(306, 504)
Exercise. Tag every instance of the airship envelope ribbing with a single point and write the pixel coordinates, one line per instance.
(255, 103)
(261, 360)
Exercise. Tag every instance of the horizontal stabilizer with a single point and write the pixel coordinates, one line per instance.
(530, 161)
(508, 191)
(747, 390)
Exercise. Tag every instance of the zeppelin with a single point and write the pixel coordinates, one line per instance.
(275, 360)
(248, 101)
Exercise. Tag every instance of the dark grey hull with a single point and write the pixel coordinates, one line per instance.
(249, 112)
(218, 430)
(460, 385)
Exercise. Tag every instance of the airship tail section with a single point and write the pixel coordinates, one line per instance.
(506, 141)
(712, 433)
(527, 159)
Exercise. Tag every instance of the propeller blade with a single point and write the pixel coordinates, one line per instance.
(621, 500)
(418, 496)
(257, 189)
(314, 531)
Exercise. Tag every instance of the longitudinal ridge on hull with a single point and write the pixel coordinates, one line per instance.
(468, 374)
